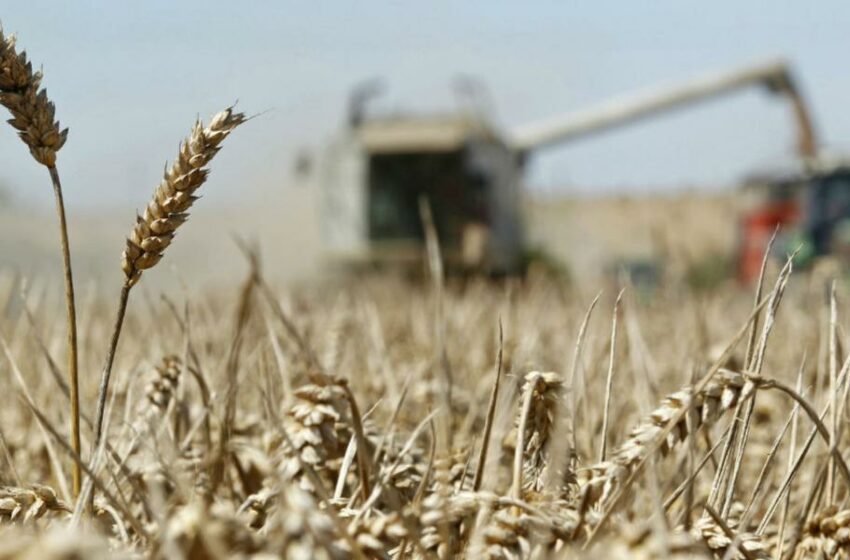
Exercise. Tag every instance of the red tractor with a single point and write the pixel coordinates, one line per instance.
(811, 208)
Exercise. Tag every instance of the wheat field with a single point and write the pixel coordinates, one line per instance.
(235, 422)
(386, 417)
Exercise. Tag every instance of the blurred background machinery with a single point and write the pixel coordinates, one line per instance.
(378, 168)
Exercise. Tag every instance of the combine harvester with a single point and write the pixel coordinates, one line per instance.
(379, 168)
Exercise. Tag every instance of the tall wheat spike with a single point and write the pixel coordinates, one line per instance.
(32, 112)
(156, 227)
(33, 116)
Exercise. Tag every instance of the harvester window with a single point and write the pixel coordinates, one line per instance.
(396, 182)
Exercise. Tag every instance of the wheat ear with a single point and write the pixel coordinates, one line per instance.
(724, 543)
(29, 503)
(720, 395)
(33, 117)
(32, 112)
(156, 227)
(174, 196)
(827, 534)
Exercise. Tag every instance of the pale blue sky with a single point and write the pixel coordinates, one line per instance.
(129, 78)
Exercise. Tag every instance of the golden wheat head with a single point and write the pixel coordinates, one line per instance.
(32, 112)
(156, 227)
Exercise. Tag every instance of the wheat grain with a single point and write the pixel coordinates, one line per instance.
(197, 531)
(163, 384)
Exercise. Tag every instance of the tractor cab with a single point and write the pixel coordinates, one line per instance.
(810, 205)
(828, 218)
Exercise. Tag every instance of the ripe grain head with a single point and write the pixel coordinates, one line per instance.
(156, 227)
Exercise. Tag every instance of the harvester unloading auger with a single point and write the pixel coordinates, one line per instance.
(774, 76)
(379, 168)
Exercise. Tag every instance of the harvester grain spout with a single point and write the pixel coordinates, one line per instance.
(775, 75)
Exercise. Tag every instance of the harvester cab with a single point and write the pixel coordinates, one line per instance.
(380, 169)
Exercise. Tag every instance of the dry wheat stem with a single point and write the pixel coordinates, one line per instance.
(528, 395)
(751, 340)
(71, 315)
(441, 359)
(824, 432)
(833, 388)
(575, 369)
(491, 413)
(721, 472)
(755, 364)
(768, 462)
(789, 477)
(754, 361)
(107, 368)
(363, 463)
(688, 482)
(790, 465)
(609, 383)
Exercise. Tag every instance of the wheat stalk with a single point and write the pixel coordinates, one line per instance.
(33, 116)
(155, 228)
